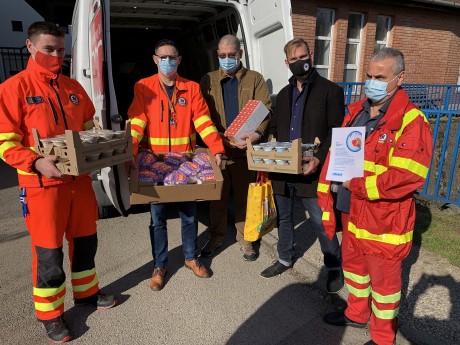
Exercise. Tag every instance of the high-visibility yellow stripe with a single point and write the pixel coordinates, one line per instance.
(88, 125)
(135, 134)
(202, 119)
(409, 164)
(7, 145)
(374, 168)
(357, 278)
(371, 187)
(83, 274)
(323, 188)
(48, 292)
(208, 130)
(384, 238)
(393, 298)
(10, 137)
(326, 216)
(81, 288)
(173, 141)
(138, 122)
(385, 314)
(49, 306)
(22, 172)
(362, 293)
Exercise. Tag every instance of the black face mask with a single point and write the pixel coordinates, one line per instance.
(300, 68)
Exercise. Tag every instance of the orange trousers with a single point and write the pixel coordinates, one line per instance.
(70, 210)
(374, 285)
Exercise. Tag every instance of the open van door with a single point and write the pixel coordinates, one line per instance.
(268, 28)
(114, 179)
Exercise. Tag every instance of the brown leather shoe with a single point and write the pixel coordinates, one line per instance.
(197, 268)
(157, 281)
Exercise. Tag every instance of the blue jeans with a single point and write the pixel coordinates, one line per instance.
(159, 234)
(286, 252)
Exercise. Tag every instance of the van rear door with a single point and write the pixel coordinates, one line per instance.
(114, 179)
(268, 28)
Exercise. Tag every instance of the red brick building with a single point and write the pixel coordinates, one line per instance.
(344, 34)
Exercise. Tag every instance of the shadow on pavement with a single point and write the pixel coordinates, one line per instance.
(288, 317)
(433, 330)
(9, 176)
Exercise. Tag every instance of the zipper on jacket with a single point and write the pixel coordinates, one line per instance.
(60, 103)
(56, 118)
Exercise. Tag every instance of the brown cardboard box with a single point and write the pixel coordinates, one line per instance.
(145, 193)
(294, 155)
(77, 158)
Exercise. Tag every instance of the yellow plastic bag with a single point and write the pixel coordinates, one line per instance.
(261, 210)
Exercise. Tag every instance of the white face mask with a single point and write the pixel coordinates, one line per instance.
(376, 90)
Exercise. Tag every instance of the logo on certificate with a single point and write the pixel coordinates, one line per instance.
(354, 141)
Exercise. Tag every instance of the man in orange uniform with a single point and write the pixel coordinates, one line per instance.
(54, 205)
(378, 210)
(170, 110)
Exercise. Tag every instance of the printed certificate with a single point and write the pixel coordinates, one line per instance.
(347, 154)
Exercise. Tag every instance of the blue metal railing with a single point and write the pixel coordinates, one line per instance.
(441, 105)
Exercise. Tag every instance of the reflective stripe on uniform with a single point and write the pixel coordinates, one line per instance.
(138, 122)
(7, 145)
(371, 187)
(384, 238)
(361, 293)
(385, 314)
(202, 119)
(374, 168)
(208, 130)
(83, 274)
(11, 136)
(409, 164)
(393, 298)
(172, 141)
(48, 292)
(49, 306)
(84, 287)
(323, 188)
(135, 134)
(356, 277)
(326, 216)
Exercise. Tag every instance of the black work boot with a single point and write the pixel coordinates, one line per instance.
(100, 301)
(57, 331)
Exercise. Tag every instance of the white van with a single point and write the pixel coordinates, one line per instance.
(113, 43)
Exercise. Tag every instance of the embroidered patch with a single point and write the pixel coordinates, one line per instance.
(382, 138)
(34, 99)
(182, 101)
(74, 99)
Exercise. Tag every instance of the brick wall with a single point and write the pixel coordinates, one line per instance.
(429, 39)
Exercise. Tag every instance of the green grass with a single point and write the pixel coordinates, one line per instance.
(438, 231)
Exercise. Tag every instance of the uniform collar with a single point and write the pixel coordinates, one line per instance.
(40, 72)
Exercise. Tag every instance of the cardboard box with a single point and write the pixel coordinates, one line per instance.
(78, 158)
(146, 193)
(294, 155)
(249, 118)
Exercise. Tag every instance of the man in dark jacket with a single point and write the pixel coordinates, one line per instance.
(307, 108)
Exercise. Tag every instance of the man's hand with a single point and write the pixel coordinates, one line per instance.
(218, 159)
(309, 165)
(47, 167)
(346, 184)
(225, 140)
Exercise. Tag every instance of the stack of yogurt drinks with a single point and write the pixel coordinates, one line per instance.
(307, 151)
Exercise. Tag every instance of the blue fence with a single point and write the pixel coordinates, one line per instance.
(441, 105)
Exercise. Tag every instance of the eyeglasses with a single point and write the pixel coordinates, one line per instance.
(228, 56)
(170, 57)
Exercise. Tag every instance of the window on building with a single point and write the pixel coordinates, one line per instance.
(16, 25)
(353, 48)
(323, 41)
(382, 32)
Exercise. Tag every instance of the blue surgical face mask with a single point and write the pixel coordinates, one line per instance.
(376, 90)
(167, 66)
(228, 64)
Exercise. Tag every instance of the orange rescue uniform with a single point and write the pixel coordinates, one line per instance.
(378, 231)
(51, 103)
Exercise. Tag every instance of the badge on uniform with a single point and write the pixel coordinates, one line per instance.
(74, 99)
(382, 138)
(34, 99)
(182, 101)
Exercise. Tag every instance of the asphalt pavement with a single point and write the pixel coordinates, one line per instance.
(236, 306)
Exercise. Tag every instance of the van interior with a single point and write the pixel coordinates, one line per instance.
(195, 27)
